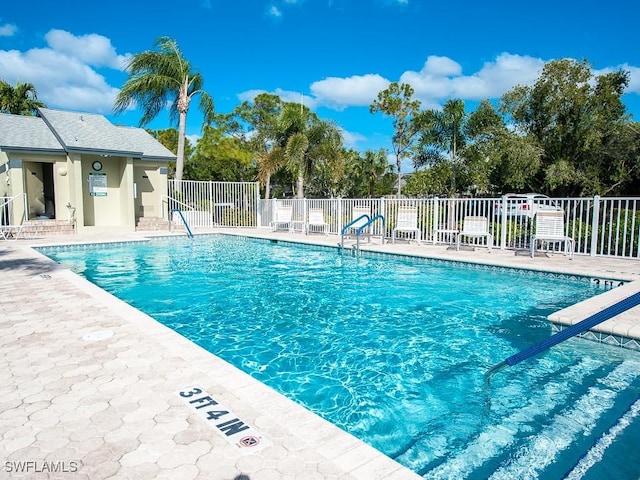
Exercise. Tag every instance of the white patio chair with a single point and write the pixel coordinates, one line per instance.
(407, 222)
(550, 228)
(316, 220)
(356, 213)
(283, 217)
(475, 227)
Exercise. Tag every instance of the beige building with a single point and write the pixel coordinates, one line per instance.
(80, 169)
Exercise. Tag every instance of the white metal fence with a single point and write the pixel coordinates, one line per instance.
(599, 226)
(212, 204)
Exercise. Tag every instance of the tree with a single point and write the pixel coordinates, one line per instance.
(498, 159)
(261, 121)
(372, 167)
(435, 180)
(305, 140)
(579, 121)
(19, 100)
(219, 157)
(442, 132)
(169, 138)
(159, 77)
(395, 101)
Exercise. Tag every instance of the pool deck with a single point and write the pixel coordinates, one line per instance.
(89, 386)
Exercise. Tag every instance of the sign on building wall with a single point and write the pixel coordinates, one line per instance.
(98, 184)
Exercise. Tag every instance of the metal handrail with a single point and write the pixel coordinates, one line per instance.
(352, 222)
(370, 222)
(184, 221)
(171, 200)
(9, 226)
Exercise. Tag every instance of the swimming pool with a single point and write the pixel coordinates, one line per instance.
(394, 349)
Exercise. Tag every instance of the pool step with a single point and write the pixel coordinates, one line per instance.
(576, 422)
(47, 228)
(566, 429)
(156, 223)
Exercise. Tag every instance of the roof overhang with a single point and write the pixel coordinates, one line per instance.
(48, 151)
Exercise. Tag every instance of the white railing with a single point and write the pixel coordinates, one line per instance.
(599, 226)
(228, 204)
(9, 213)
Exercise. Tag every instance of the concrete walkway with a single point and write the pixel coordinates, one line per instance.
(91, 388)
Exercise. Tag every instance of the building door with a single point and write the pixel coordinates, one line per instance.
(145, 201)
(40, 189)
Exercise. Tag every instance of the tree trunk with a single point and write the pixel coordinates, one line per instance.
(180, 155)
(299, 186)
(267, 187)
(399, 164)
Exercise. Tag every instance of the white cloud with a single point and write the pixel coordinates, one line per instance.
(193, 139)
(441, 78)
(339, 93)
(352, 139)
(63, 73)
(8, 30)
(285, 95)
(634, 76)
(91, 49)
(274, 11)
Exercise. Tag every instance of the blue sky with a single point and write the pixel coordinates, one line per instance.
(336, 55)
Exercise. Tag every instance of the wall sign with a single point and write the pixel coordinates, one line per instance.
(98, 184)
(227, 423)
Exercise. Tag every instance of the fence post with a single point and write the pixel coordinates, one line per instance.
(436, 219)
(256, 187)
(211, 203)
(595, 221)
(382, 212)
(503, 228)
(305, 209)
(339, 200)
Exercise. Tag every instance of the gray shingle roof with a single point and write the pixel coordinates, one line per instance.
(19, 132)
(87, 132)
(151, 148)
(60, 131)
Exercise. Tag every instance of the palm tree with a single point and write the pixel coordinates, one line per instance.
(262, 117)
(306, 139)
(19, 100)
(443, 132)
(374, 166)
(269, 162)
(159, 77)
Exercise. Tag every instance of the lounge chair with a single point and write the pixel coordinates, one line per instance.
(550, 228)
(357, 216)
(316, 220)
(407, 222)
(283, 217)
(475, 227)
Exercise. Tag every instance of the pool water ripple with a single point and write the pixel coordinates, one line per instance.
(393, 350)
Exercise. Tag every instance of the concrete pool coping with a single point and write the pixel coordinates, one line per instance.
(91, 384)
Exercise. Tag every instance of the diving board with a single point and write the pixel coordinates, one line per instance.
(582, 326)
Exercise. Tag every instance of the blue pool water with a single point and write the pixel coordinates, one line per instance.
(394, 350)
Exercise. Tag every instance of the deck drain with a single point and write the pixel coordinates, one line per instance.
(97, 335)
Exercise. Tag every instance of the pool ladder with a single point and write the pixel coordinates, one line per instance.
(355, 249)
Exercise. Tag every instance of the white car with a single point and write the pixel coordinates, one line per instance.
(527, 204)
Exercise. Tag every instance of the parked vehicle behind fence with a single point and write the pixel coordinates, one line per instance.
(526, 204)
